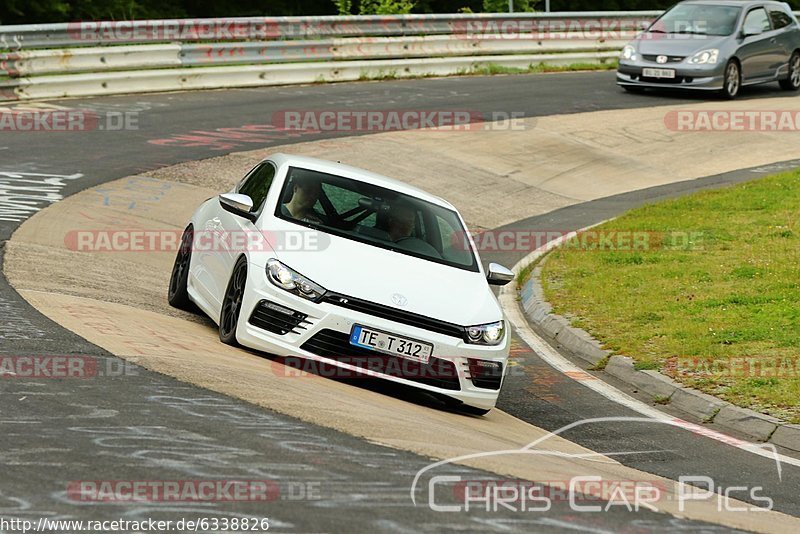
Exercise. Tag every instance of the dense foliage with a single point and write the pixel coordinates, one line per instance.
(32, 11)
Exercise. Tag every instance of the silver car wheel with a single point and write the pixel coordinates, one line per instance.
(795, 70)
(732, 79)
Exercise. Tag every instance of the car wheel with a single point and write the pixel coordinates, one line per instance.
(178, 294)
(633, 89)
(232, 303)
(733, 80)
(792, 83)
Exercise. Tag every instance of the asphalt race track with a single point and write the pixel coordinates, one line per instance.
(146, 426)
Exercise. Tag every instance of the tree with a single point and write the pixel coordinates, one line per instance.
(344, 7)
(386, 7)
(22, 11)
(501, 6)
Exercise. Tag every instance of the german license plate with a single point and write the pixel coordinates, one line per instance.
(379, 341)
(659, 73)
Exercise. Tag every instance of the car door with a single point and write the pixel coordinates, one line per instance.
(759, 45)
(786, 30)
(229, 234)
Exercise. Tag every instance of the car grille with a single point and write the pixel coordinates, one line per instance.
(393, 314)
(336, 346)
(667, 81)
(670, 59)
(278, 319)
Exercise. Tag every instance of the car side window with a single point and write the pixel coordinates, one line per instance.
(256, 184)
(757, 22)
(455, 245)
(780, 18)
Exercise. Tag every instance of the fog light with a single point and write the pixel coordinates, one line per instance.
(485, 374)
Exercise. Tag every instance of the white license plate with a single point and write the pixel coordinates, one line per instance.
(369, 338)
(659, 73)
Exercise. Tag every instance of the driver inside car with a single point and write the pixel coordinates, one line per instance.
(305, 194)
(401, 221)
(402, 224)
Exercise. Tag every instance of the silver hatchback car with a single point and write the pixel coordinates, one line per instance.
(715, 45)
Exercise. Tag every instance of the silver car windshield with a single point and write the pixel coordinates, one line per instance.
(375, 216)
(698, 19)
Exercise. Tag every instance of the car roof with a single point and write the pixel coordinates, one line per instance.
(346, 171)
(736, 3)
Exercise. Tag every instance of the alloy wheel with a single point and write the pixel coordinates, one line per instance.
(232, 305)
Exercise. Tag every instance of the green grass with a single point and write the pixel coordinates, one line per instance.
(381, 75)
(719, 314)
(660, 399)
(490, 69)
(525, 273)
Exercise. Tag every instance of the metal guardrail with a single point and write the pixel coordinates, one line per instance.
(104, 59)
(97, 58)
(278, 28)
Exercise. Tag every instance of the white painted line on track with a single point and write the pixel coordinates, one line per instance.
(508, 300)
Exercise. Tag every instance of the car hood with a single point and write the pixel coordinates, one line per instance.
(677, 45)
(377, 275)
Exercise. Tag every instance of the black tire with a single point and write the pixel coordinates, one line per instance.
(792, 82)
(178, 294)
(232, 303)
(458, 406)
(471, 410)
(732, 81)
(633, 89)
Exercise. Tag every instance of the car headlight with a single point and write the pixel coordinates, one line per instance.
(629, 52)
(485, 334)
(706, 57)
(292, 281)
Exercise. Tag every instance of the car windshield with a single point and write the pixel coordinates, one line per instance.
(375, 216)
(698, 19)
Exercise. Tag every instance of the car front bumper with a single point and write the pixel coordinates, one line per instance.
(325, 329)
(703, 77)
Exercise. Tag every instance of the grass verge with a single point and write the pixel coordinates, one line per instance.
(704, 288)
(490, 69)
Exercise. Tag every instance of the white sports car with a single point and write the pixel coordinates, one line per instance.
(317, 260)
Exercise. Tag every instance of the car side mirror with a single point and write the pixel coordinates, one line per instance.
(239, 205)
(644, 25)
(499, 275)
